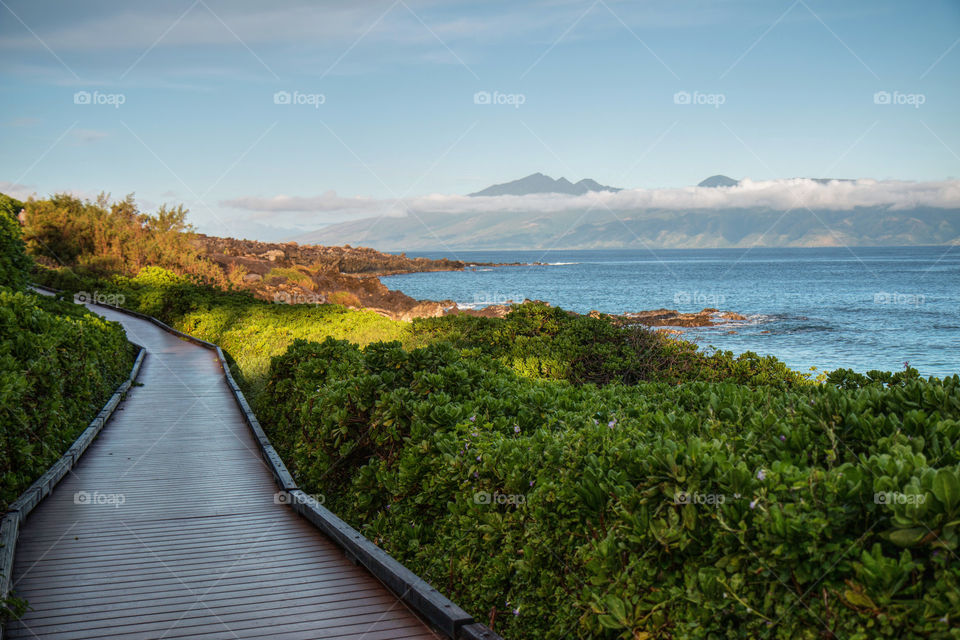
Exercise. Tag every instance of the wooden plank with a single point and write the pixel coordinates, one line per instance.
(236, 583)
(253, 594)
(204, 613)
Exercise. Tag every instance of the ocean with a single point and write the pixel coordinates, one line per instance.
(858, 308)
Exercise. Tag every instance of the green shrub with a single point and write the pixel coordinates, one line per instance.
(58, 365)
(293, 275)
(540, 341)
(405, 444)
(344, 298)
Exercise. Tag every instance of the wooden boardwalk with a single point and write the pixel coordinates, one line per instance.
(168, 528)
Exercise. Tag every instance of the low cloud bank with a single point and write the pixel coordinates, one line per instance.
(773, 194)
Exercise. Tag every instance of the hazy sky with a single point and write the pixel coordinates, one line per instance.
(219, 103)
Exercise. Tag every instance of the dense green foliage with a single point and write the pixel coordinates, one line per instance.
(58, 365)
(14, 263)
(545, 342)
(699, 510)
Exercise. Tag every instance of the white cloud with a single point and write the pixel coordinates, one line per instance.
(795, 193)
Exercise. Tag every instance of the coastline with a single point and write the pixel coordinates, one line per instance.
(290, 272)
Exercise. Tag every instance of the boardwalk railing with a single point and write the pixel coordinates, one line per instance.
(415, 592)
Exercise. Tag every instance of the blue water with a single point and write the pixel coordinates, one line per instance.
(862, 308)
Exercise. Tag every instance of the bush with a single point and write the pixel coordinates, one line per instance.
(58, 365)
(293, 275)
(540, 341)
(344, 298)
(104, 237)
(708, 509)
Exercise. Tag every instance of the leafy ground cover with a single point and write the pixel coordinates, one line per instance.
(706, 509)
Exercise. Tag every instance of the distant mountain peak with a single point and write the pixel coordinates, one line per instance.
(540, 183)
(719, 181)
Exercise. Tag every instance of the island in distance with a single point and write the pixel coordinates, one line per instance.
(539, 183)
(539, 212)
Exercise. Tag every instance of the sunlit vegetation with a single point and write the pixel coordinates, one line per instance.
(292, 274)
(105, 238)
(344, 298)
(250, 330)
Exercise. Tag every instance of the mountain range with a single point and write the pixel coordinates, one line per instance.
(539, 183)
(539, 224)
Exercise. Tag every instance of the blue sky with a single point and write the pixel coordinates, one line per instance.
(199, 121)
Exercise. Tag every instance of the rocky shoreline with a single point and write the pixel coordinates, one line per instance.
(295, 274)
(667, 320)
